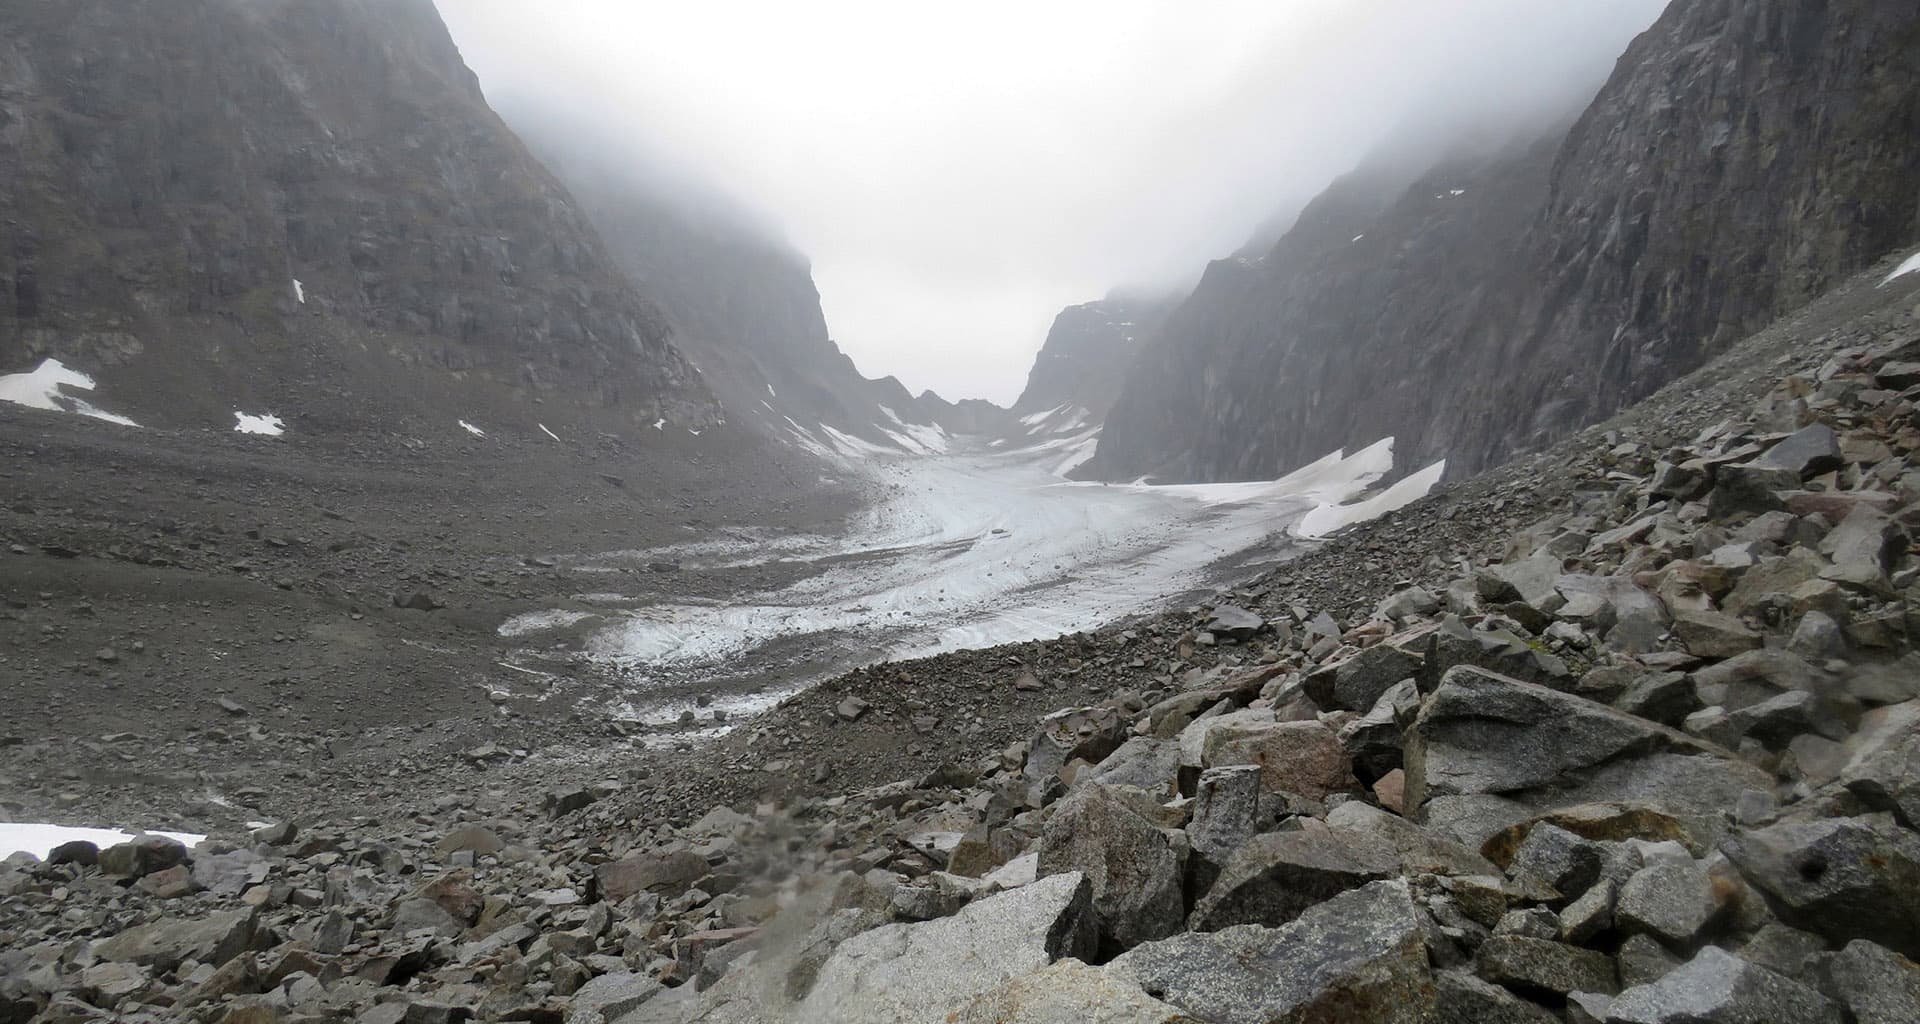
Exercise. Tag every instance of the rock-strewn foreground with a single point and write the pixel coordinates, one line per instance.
(1650, 756)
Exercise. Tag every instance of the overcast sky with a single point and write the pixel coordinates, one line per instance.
(957, 173)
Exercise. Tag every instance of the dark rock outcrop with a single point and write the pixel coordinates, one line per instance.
(1743, 158)
(1087, 352)
(308, 208)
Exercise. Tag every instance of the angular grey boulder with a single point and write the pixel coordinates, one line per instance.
(1672, 900)
(1482, 735)
(1068, 992)
(1844, 878)
(1142, 761)
(1461, 998)
(1809, 451)
(1878, 985)
(919, 972)
(1356, 683)
(1534, 965)
(1359, 956)
(1133, 865)
(163, 944)
(1274, 878)
(1088, 734)
(1717, 987)
(1884, 767)
(1229, 808)
(611, 996)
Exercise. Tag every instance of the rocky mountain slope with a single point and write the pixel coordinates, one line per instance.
(1631, 741)
(741, 302)
(308, 209)
(1742, 158)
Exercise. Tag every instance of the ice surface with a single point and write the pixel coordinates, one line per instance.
(40, 839)
(263, 423)
(1911, 264)
(39, 388)
(471, 429)
(980, 548)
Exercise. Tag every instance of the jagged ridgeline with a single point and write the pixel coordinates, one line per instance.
(309, 207)
(1742, 158)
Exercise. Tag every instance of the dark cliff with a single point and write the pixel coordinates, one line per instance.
(1742, 157)
(173, 169)
(1087, 352)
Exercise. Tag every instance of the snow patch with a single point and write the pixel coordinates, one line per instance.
(771, 392)
(539, 622)
(1330, 517)
(549, 433)
(850, 445)
(39, 388)
(660, 424)
(1912, 264)
(920, 438)
(40, 839)
(1358, 237)
(471, 429)
(299, 291)
(262, 423)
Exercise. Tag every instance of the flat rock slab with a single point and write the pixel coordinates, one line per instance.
(1273, 878)
(1358, 956)
(1717, 987)
(1488, 752)
(1069, 992)
(903, 973)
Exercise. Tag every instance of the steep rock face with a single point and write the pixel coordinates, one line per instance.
(741, 301)
(1742, 157)
(174, 169)
(1334, 337)
(1086, 355)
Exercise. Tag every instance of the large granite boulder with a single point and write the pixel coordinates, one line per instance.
(1843, 878)
(1717, 987)
(904, 973)
(1359, 956)
(1487, 752)
(1068, 992)
(1273, 878)
(1133, 866)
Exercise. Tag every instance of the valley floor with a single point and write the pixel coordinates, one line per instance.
(198, 626)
